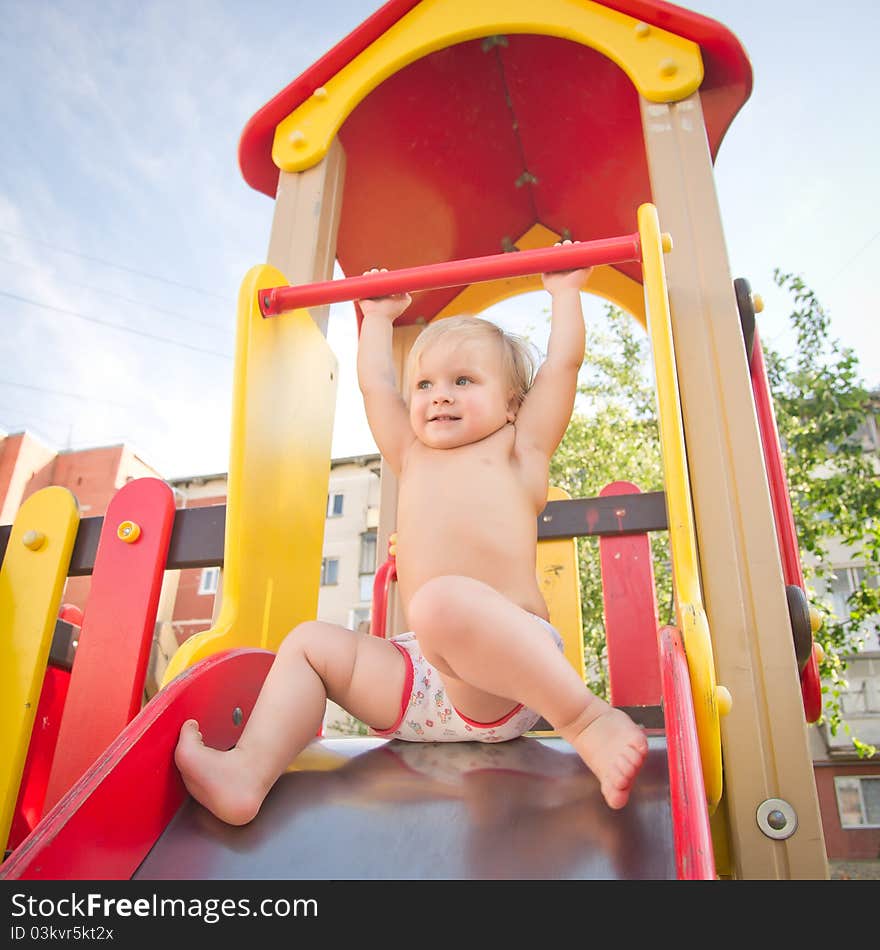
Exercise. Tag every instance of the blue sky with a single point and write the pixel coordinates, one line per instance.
(126, 227)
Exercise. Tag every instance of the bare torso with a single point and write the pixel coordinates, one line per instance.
(472, 511)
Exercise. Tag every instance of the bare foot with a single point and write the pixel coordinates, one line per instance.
(218, 780)
(613, 747)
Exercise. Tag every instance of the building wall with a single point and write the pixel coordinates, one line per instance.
(190, 611)
(21, 458)
(842, 843)
(92, 475)
(347, 602)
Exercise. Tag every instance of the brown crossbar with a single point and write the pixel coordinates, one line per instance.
(198, 534)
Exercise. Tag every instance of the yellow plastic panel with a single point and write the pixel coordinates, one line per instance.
(662, 66)
(692, 619)
(560, 583)
(32, 580)
(284, 395)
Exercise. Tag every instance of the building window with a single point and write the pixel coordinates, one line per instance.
(334, 506)
(367, 568)
(368, 553)
(329, 571)
(843, 582)
(858, 800)
(366, 586)
(210, 580)
(360, 619)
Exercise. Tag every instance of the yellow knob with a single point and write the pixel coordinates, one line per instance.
(818, 652)
(666, 242)
(128, 531)
(757, 302)
(815, 619)
(723, 700)
(33, 540)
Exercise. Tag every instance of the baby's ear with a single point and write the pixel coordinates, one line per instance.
(512, 407)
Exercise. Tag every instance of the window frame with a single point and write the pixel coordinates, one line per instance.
(325, 570)
(849, 780)
(204, 587)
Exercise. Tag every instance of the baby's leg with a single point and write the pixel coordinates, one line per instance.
(317, 661)
(492, 653)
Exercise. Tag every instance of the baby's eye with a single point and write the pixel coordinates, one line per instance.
(462, 380)
(423, 384)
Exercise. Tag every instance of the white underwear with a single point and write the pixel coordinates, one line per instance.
(427, 715)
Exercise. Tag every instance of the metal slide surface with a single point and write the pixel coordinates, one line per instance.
(360, 808)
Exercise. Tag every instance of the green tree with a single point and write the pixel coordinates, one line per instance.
(613, 435)
(820, 408)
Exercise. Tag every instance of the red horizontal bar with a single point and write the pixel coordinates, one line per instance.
(475, 270)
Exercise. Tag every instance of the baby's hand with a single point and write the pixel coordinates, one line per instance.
(566, 279)
(390, 307)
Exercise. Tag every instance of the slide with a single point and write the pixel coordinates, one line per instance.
(353, 807)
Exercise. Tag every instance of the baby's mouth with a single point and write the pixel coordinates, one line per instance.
(444, 418)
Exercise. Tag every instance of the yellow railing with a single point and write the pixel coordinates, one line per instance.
(710, 700)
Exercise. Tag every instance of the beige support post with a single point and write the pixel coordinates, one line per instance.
(764, 738)
(302, 244)
(403, 339)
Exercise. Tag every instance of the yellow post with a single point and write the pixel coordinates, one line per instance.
(32, 580)
(284, 395)
(560, 583)
(682, 535)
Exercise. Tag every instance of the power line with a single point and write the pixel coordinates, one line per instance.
(109, 293)
(106, 263)
(60, 392)
(113, 326)
(863, 248)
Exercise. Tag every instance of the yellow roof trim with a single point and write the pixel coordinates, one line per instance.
(663, 67)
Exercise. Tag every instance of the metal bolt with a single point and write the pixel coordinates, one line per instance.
(777, 819)
(33, 540)
(128, 531)
(237, 716)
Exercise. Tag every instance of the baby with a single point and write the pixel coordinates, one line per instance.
(470, 444)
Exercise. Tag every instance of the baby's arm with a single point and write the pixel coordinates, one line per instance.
(546, 410)
(386, 411)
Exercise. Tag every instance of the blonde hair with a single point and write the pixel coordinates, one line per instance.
(517, 354)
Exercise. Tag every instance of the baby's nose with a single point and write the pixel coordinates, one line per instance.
(441, 395)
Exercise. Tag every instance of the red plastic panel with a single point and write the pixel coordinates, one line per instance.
(107, 682)
(631, 621)
(694, 855)
(108, 821)
(44, 738)
(386, 574)
(786, 534)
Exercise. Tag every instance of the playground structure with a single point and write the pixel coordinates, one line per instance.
(455, 144)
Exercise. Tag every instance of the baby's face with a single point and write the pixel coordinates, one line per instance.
(459, 393)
